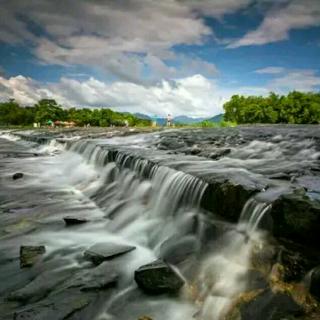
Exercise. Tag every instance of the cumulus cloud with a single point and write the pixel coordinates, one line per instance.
(194, 96)
(125, 39)
(279, 21)
(113, 36)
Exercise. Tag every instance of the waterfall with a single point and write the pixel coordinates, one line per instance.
(223, 275)
(252, 214)
(135, 200)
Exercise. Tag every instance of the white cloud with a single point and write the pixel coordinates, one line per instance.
(270, 70)
(20, 88)
(279, 21)
(194, 96)
(303, 80)
(125, 39)
(113, 36)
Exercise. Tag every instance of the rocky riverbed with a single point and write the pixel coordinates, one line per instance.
(203, 224)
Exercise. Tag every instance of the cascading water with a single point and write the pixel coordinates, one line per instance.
(131, 200)
(223, 275)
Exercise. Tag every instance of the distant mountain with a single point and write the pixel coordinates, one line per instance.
(161, 121)
(187, 120)
(180, 119)
(142, 116)
(217, 118)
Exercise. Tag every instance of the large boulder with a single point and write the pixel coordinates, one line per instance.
(101, 252)
(228, 192)
(158, 278)
(296, 216)
(29, 255)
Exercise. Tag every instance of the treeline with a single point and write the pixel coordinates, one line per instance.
(296, 107)
(11, 113)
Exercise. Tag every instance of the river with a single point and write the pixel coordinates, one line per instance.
(200, 201)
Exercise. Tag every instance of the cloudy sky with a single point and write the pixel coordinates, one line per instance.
(157, 57)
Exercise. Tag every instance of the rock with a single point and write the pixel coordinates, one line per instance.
(98, 278)
(297, 217)
(17, 175)
(280, 176)
(29, 255)
(40, 286)
(145, 318)
(57, 307)
(177, 249)
(228, 192)
(255, 280)
(158, 278)
(219, 154)
(315, 283)
(270, 306)
(73, 220)
(195, 150)
(105, 251)
(295, 266)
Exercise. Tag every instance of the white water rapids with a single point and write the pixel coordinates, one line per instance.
(130, 201)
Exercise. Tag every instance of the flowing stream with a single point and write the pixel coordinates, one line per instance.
(129, 200)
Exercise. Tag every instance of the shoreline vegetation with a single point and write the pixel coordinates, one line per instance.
(294, 108)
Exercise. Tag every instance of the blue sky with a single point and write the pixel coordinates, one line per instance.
(174, 56)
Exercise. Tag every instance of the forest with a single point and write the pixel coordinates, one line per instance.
(294, 108)
(11, 113)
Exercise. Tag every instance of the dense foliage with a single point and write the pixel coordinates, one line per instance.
(11, 113)
(296, 107)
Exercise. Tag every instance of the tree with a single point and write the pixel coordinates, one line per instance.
(48, 109)
(296, 107)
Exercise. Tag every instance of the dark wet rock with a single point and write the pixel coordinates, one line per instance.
(99, 278)
(105, 251)
(227, 194)
(177, 249)
(280, 176)
(29, 255)
(315, 283)
(270, 306)
(255, 280)
(56, 307)
(296, 216)
(169, 143)
(294, 265)
(195, 150)
(17, 175)
(158, 278)
(74, 220)
(41, 286)
(219, 154)
(145, 318)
